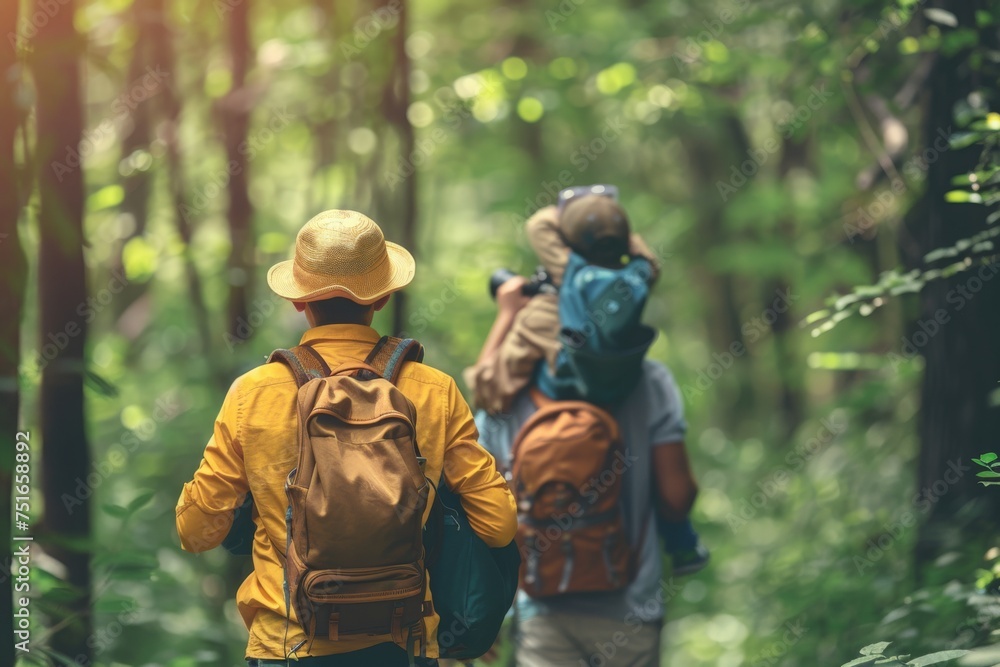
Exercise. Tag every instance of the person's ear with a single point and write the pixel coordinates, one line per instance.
(380, 304)
(299, 306)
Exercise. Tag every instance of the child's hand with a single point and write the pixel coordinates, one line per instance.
(510, 295)
(637, 247)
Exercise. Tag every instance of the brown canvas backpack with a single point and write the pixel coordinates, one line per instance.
(566, 473)
(354, 562)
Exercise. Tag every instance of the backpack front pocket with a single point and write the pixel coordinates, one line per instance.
(345, 586)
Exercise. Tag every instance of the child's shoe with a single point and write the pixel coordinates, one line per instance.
(690, 561)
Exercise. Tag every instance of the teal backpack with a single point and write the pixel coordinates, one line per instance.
(473, 585)
(603, 338)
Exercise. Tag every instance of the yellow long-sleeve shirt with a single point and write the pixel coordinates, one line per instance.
(254, 447)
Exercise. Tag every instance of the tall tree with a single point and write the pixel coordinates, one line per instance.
(163, 54)
(62, 289)
(235, 113)
(962, 357)
(400, 118)
(796, 155)
(12, 281)
(136, 182)
(708, 159)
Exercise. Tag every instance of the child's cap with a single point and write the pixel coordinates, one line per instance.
(596, 228)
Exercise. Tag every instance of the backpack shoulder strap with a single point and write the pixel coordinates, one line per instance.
(389, 353)
(305, 362)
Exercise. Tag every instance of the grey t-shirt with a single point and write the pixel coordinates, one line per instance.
(652, 415)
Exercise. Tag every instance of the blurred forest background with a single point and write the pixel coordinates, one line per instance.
(818, 179)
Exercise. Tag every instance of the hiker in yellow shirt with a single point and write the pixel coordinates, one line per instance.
(343, 271)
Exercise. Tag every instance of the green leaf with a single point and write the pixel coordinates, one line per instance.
(100, 385)
(971, 177)
(113, 604)
(984, 577)
(818, 315)
(875, 648)
(935, 658)
(941, 16)
(120, 512)
(106, 197)
(140, 501)
(991, 474)
(867, 660)
(939, 253)
(963, 139)
(963, 197)
(988, 457)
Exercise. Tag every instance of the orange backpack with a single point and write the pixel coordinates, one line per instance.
(354, 562)
(566, 473)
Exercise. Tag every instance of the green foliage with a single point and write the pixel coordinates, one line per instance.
(674, 101)
(874, 654)
(990, 476)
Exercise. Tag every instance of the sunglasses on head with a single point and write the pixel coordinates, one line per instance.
(569, 194)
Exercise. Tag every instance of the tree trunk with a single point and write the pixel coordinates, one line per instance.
(13, 267)
(709, 159)
(796, 154)
(62, 290)
(236, 118)
(325, 132)
(137, 183)
(408, 216)
(163, 54)
(962, 356)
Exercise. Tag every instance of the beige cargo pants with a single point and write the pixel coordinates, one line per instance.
(561, 640)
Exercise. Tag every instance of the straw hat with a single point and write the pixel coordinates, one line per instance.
(342, 254)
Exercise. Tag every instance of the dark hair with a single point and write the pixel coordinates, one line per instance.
(607, 251)
(339, 310)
